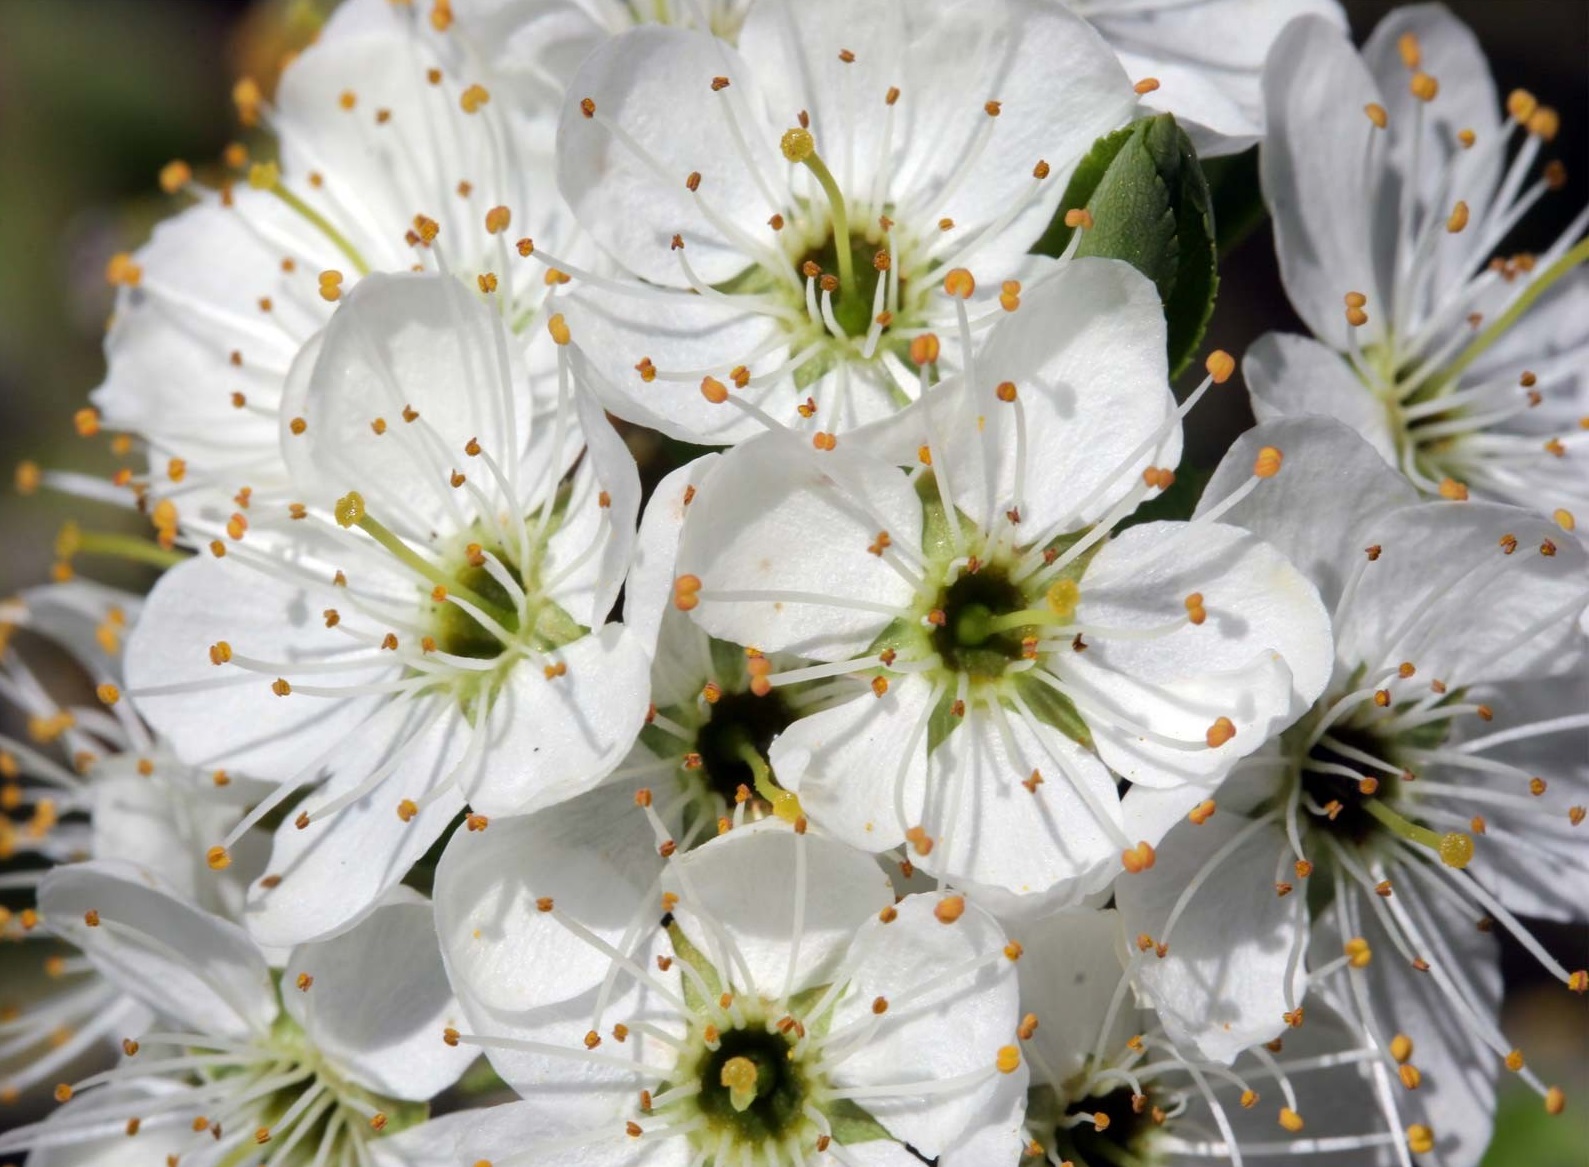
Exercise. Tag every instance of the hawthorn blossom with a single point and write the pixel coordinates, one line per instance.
(310, 1066)
(1108, 1086)
(93, 782)
(785, 1009)
(407, 136)
(427, 627)
(1370, 818)
(1206, 57)
(788, 206)
(1018, 644)
(1388, 179)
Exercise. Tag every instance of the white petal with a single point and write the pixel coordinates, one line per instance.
(1330, 476)
(1221, 987)
(1290, 376)
(227, 717)
(1068, 973)
(685, 337)
(1058, 85)
(853, 762)
(377, 999)
(522, 1132)
(552, 737)
(73, 615)
(991, 830)
(593, 856)
(1259, 609)
(655, 85)
(197, 969)
(777, 516)
(786, 905)
(1086, 354)
(406, 342)
(1208, 57)
(1317, 181)
(334, 870)
(648, 592)
(1467, 101)
(953, 1029)
(1444, 594)
(590, 552)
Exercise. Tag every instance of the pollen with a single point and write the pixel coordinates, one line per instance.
(331, 286)
(685, 592)
(924, 349)
(1009, 1059)
(281, 687)
(1401, 1047)
(1451, 489)
(1544, 123)
(1195, 612)
(1420, 1139)
(472, 99)
(1555, 1101)
(108, 694)
(714, 390)
(1219, 733)
(1458, 219)
(1202, 812)
(1423, 87)
(1267, 464)
(1146, 85)
(1005, 391)
(1079, 217)
(217, 858)
(1376, 114)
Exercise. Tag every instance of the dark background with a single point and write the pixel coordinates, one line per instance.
(96, 95)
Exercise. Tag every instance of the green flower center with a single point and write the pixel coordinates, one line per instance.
(752, 1087)
(970, 638)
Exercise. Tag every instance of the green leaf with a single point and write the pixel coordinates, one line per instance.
(851, 1124)
(688, 954)
(1150, 206)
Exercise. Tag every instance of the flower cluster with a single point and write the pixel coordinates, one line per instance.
(897, 763)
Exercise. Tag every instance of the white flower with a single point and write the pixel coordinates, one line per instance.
(1206, 57)
(306, 1066)
(786, 1010)
(426, 626)
(1108, 1085)
(92, 781)
(1015, 644)
(791, 204)
(406, 137)
(1388, 180)
(1372, 815)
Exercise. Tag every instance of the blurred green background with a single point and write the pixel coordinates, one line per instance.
(96, 95)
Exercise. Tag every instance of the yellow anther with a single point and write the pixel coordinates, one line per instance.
(1411, 1077)
(1079, 217)
(1411, 53)
(1267, 464)
(1458, 219)
(331, 285)
(108, 694)
(1401, 1047)
(247, 97)
(558, 327)
(1544, 123)
(1220, 365)
(714, 390)
(1451, 489)
(949, 909)
(497, 220)
(1376, 114)
(1009, 1059)
(1514, 1060)
(797, 144)
(1521, 104)
(1146, 85)
(473, 98)
(1420, 1139)
(1358, 952)
(1290, 1119)
(1138, 859)
(217, 858)
(1249, 1099)
(960, 282)
(1555, 1101)
(174, 176)
(1423, 87)
(122, 272)
(924, 349)
(1220, 732)
(1564, 519)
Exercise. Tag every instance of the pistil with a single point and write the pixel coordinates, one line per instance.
(799, 146)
